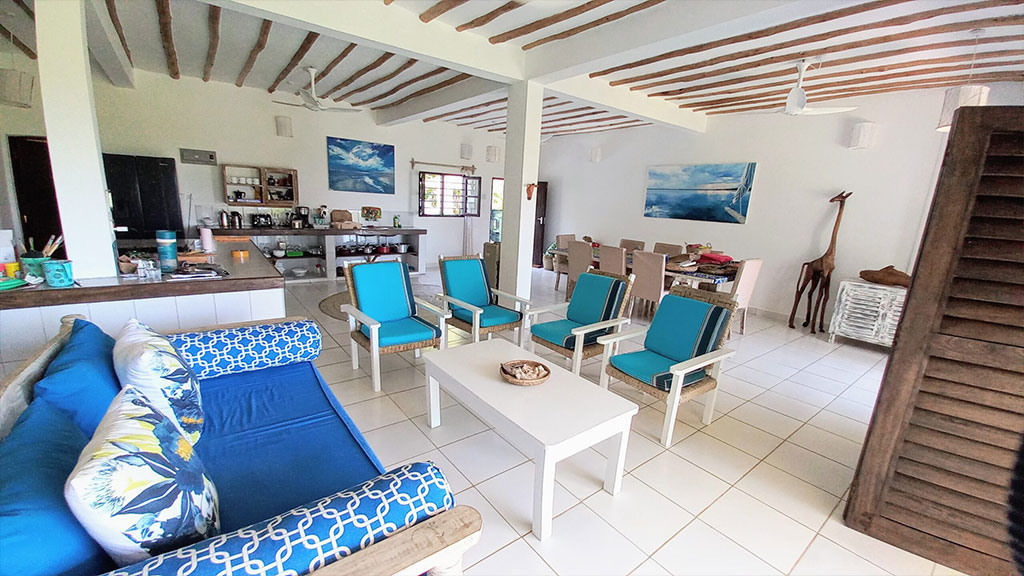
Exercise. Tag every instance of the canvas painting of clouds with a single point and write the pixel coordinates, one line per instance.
(357, 166)
(708, 192)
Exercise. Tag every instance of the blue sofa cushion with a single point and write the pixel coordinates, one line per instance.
(228, 351)
(38, 533)
(493, 315)
(467, 280)
(404, 331)
(559, 332)
(595, 298)
(383, 290)
(652, 368)
(81, 379)
(315, 534)
(276, 439)
(684, 328)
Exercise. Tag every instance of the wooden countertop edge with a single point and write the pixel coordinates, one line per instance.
(243, 232)
(32, 299)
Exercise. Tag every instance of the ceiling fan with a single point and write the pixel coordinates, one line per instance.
(796, 100)
(312, 102)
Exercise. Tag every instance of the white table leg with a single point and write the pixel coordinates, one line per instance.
(433, 401)
(616, 464)
(543, 495)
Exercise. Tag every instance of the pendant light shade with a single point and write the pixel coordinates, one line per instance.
(16, 88)
(969, 95)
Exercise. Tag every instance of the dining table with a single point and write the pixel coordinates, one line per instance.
(682, 270)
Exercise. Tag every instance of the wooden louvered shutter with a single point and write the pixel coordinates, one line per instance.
(935, 470)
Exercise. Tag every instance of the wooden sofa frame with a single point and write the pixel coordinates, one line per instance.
(434, 546)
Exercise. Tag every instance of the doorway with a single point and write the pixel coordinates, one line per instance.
(35, 192)
(538, 224)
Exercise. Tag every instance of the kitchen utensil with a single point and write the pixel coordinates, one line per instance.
(58, 273)
(33, 266)
(384, 249)
(299, 272)
(261, 220)
(225, 219)
(402, 248)
(297, 223)
(279, 253)
(236, 220)
(368, 249)
(239, 195)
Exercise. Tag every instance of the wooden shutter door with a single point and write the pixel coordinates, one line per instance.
(935, 470)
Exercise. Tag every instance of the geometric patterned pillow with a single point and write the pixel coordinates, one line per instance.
(232, 350)
(139, 489)
(313, 535)
(147, 361)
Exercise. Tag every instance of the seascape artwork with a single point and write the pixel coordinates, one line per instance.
(708, 192)
(357, 166)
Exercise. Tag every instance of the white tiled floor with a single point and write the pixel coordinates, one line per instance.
(759, 491)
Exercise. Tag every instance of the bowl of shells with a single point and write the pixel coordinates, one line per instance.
(524, 372)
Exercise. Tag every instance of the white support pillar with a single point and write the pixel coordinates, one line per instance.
(522, 162)
(65, 81)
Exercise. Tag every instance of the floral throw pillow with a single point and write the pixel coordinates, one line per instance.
(139, 489)
(149, 362)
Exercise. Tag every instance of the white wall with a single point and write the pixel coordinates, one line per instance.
(161, 115)
(801, 163)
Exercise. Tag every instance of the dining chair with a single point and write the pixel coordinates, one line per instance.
(472, 301)
(613, 260)
(649, 269)
(669, 250)
(581, 256)
(597, 308)
(561, 263)
(631, 245)
(743, 288)
(383, 316)
(682, 354)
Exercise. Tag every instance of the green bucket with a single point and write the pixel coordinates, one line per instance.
(33, 266)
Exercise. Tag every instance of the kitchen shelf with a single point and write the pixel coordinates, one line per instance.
(303, 257)
(262, 191)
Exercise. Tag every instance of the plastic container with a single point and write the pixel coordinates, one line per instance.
(33, 266)
(167, 250)
(58, 273)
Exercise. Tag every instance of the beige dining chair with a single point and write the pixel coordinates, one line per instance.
(581, 255)
(613, 260)
(561, 263)
(743, 288)
(631, 245)
(669, 250)
(649, 286)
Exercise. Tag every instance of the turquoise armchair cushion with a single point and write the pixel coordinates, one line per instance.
(683, 328)
(467, 280)
(404, 331)
(595, 298)
(383, 290)
(652, 368)
(559, 332)
(493, 315)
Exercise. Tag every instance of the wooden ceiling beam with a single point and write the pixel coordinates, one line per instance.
(17, 43)
(601, 128)
(594, 24)
(26, 9)
(360, 73)
(483, 121)
(401, 87)
(439, 9)
(112, 12)
(477, 114)
(794, 56)
(163, 10)
(589, 121)
(213, 24)
(423, 92)
(405, 66)
(388, 2)
(545, 22)
(680, 94)
(307, 43)
(590, 131)
(556, 104)
(746, 37)
(560, 112)
(563, 119)
(332, 65)
(467, 109)
(261, 43)
(826, 36)
(489, 17)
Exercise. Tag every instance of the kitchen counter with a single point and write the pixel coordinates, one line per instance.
(279, 231)
(256, 273)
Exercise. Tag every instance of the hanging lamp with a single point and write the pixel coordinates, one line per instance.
(15, 86)
(966, 95)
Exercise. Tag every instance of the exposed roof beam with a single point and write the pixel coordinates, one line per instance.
(408, 64)
(545, 22)
(454, 93)
(360, 73)
(477, 115)
(424, 91)
(440, 8)
(551, 121)
(489, 17)
(582, 90)
(468, 109)
(261, 43)
(112, 12)
(630, 123)
(388, 2)
(211, 50)
(401, 87)
(307, 43)
(18, 43)
(105, 45)
(25, 8)
(163, 10)
(594, 24)
(332, 65)
(589, 131)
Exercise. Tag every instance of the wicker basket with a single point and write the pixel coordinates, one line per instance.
(506, 367)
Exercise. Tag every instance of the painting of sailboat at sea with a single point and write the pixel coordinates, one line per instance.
(709, 192)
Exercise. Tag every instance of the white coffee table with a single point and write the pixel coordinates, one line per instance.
(549, 422)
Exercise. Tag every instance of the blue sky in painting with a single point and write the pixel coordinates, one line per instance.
(357, 166)
(694, 177)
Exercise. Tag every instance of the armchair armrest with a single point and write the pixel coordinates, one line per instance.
(619, 337)
(588, 328)
(433, 309)
(685, 367)
(510, 296)
(448, 300)
(546, 309)
(355, 313)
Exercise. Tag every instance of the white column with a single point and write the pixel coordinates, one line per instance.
(65, 81)
(522, 161)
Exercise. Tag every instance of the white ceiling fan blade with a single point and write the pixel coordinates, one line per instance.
(288, 103)
(333, 109)
(796, 101)
(823, 111)
(308, 97)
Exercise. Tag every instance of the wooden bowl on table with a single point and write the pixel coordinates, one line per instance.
(512, 372)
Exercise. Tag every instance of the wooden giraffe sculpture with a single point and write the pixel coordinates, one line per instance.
(818, 273)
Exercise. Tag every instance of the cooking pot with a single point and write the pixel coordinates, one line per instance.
(401, 248)
(297, 223)
(368, 249)
(384, 249)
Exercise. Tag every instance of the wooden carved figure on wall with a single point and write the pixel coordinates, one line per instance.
(818, 273)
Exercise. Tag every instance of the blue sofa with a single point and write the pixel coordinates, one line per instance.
(299, 488)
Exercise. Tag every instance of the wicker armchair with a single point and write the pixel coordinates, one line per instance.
(472, 302)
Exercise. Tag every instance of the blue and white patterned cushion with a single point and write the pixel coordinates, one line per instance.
(232, 350)
(311, 536)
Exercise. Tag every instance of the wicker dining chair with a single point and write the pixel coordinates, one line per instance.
(581, 256)
(669, 250)
(631, 245)
(649, 270)
(597, 308)
(561, 263)
(468, 295)
(682, 353)
(383, 316)
(613, 260)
